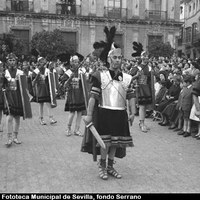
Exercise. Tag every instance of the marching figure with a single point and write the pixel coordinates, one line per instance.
(75, 99)
(110, 91)
(13, 99)
(143, 90)
(42, 91)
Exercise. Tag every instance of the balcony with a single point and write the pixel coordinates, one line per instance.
(155, 15)
(68, 9)
(115, 13)
(19, 6)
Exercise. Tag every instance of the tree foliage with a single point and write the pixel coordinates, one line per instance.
(157, 48)
(49, 44)
(12, 43)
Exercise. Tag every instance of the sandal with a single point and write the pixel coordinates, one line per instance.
(78, 133)
(16, 141)
(143, 128)
(113, 172)
(52, 121)
(42, 122)
(197, 135)
(9, 143)
(68, 133)
(102, 171)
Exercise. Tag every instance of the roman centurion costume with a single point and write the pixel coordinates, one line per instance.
(144, 82)
(16, 98)
(110, 115)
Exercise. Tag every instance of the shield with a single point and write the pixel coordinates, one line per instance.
(52, 89)
(55, 76)
(153, 88)
(85, 87)
(25, 96)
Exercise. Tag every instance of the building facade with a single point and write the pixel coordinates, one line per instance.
(189, 40)
(82, 21)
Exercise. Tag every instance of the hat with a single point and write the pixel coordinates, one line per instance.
(11, 56)
(114, 49)
(75, 57)
(40, 58)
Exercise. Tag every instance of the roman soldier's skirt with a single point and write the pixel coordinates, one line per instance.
(114, 128)
(75, 100)
(144, 95)
(42, 92)
(14, 102)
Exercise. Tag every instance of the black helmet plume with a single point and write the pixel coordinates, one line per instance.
(138, 48)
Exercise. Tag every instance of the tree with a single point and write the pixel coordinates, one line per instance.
(157, 48)
(50, 44)
(12, 44)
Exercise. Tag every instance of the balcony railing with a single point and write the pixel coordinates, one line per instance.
(19, 5)
(156, 15)
(115, 13)
(68, 9)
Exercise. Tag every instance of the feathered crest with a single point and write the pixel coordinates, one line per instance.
(138, 48)
(106, 46)
(98, 45)
(110, 34)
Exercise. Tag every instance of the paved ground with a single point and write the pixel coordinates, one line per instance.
(48, 161)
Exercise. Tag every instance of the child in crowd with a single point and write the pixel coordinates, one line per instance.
(186, 105)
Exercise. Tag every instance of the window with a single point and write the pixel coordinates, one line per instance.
(70, 39)
(194, 31)
(114, 8)
(155, 5)
(20, 5)
(24, 36)
(67, 7)
(181, 9)
(188, 34)
(114, 3)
